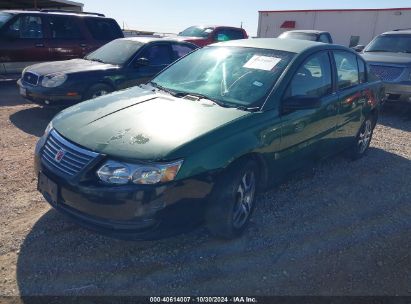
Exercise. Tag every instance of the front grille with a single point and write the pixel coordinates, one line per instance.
(31, 78)
(63, 157)
(386, 73)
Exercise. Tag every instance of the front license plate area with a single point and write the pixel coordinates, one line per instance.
(48, 188)
(23, 91)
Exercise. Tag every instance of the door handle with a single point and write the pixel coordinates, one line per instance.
(39, 45)
(83, 44)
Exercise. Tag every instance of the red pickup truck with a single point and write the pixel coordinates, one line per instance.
(204, 35)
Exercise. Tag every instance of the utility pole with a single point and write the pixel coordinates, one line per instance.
(35, 4)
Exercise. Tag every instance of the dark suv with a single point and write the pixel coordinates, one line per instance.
(28, 37)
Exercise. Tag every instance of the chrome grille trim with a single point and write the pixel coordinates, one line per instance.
(74, 160)
(31, 78)
(386, 72)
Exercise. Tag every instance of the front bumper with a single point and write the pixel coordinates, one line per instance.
(47, 96)
(399, 92)
(136, 212)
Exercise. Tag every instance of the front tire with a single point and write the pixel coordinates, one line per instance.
(97, 90)
(363, 139)
(232, 201)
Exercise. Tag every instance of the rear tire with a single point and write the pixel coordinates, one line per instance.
(232, 200)
(363, 139)
(97, 90)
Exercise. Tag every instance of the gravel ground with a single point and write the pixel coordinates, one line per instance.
(342, 228)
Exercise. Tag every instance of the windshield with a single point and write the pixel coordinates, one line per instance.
(231, 76)
(196, 31)
(4, 17)
(390, 43)
(115, 52)
(300, 36)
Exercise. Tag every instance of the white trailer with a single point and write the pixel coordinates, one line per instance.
(348, 27)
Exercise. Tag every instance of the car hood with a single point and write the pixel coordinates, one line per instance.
(69, 66)
(390, 58)
(140, 124)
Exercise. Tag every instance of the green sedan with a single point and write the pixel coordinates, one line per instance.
(203, 137)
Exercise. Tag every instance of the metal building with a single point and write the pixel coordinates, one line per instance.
(348, 27)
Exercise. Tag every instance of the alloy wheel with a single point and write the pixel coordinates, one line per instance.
(365, 136)
(244, 199)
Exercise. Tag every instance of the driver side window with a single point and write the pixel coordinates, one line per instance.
(313, 78)
(158, 55)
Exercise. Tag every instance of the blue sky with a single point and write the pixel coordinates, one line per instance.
(175, 15)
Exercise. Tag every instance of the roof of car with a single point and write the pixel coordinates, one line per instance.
(307, 31)
(215, 26)
(54, 12)
(398, 32)
(289, 45)
(146, 39)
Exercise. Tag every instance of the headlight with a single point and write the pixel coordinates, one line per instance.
(117, 173)
(42, 140)
(48, 129)
(53, 80)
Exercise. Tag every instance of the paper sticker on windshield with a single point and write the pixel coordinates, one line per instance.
(262, 63)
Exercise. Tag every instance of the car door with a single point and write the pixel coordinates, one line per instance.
(22, 42)
(308, 133)
(352, 94)
(66, 39)
(148, 62)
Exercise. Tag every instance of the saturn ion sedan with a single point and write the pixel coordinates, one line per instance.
(200, 140)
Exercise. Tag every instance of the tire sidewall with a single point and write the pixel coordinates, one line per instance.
(219, 212)
(96, 87)
(356, 152)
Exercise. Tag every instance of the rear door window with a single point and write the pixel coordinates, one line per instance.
(226, 34)
(64, 27)
(26, 27)
(347, 69)
(103, 29)
(324, 38)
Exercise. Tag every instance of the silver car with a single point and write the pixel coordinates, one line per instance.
(389, 58)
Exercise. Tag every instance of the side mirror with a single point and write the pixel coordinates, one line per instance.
(142, 62)
(358, 48)
(300, 103)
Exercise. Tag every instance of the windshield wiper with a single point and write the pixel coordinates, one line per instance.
(96, 60)
(249, 109)
(161, 88)
(202, 96)
(382, 51)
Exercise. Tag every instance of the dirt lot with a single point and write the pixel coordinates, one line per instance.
(342, 228)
